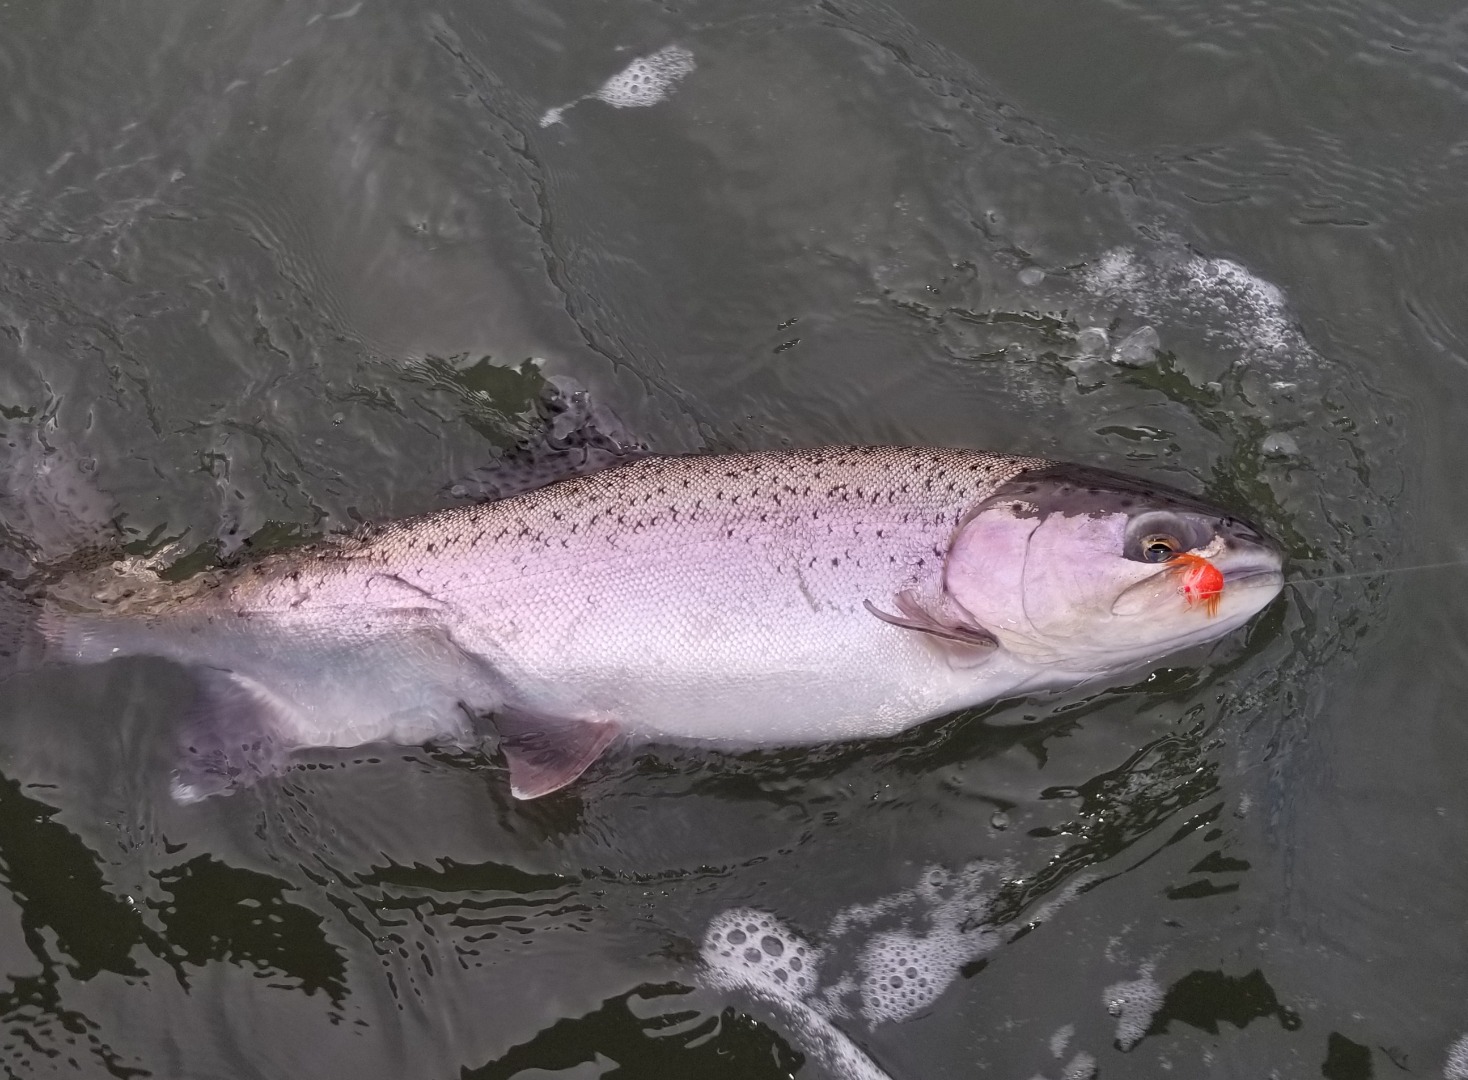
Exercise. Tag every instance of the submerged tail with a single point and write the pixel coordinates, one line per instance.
(22, 644)
(51, 512)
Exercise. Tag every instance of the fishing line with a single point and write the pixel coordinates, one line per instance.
(1378, 573)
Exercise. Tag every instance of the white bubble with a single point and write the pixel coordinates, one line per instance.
(905, 970)
(1081, 1067)
(1236, 308)
(1031, 275)
(1117, 271)
(1134, 1004)
(647, 80)
(1279, 444)
(754, 950)
(911, 945)
(1139, 347)
(1061, 1039)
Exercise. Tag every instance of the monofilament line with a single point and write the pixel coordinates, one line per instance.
(1379, 573)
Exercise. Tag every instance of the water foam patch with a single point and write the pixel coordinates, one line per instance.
(756, 953)
(646, 81)
(1456, 1067)
(1232, 306)
(1134, 1003)
(1061, 1039)
(903, 970)
(894, 956)
(1081, 1067)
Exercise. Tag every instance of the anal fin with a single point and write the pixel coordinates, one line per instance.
(546, 753)
(230, 738)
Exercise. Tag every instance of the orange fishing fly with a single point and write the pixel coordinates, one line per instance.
(1202, 581)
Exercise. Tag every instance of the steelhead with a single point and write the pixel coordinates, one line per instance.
(780, 597)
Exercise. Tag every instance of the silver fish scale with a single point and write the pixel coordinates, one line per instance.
(706, 597)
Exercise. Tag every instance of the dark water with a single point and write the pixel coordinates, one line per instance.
(268, 269)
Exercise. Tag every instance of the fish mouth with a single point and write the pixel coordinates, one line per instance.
(1137, 598)
(1254, 576)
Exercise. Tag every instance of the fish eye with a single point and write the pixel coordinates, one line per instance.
(1156, 536)
(1159, 547)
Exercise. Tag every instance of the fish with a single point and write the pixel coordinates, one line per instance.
(776, 597)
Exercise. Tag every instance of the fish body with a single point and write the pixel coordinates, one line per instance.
(792, 596)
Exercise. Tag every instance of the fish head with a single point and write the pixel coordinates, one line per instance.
(1093, 571)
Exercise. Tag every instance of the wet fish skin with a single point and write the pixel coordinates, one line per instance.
(716, 597)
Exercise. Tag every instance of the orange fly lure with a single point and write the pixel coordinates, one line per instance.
(1202, 581)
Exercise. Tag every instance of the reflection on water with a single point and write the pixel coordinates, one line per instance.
(270, 272)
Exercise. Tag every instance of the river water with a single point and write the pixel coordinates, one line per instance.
(268, 270)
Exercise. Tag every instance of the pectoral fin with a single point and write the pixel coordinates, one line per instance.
(546, 753)
(230, 736)
(913, 616)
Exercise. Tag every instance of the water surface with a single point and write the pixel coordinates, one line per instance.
(269, 270)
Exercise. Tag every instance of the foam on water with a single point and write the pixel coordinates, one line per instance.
(903, 970)
(1456, 1067)
(1234, 307)
(755, 952)
(646, 81)
(1082, 1067)
(1134, 1003)
(908, 948)
(1138, 347)
(1061, 1039)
